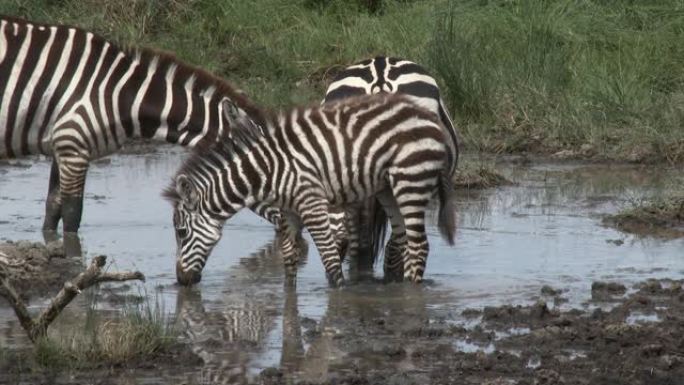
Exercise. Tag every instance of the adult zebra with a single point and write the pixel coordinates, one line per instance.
(365, 224)
(71, 94)
(306, 159)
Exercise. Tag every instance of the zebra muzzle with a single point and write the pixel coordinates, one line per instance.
(187, 278)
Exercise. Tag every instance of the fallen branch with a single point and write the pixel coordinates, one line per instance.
(37, 327)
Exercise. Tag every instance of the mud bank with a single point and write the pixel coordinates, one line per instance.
(661, 218)
(35, 269)
(621, 339)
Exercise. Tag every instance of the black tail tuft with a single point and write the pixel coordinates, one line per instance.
(447, 210)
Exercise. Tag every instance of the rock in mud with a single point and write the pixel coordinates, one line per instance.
(548, 290)
(605, 290)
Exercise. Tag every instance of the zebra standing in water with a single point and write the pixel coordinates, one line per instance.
(306, 159)
(362, 226)
(71, 94)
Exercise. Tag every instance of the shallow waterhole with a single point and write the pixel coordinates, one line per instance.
(511, 241)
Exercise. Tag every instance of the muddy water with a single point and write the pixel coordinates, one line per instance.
(511, 241)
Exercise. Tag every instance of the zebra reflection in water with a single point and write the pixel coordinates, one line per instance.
(228, 339)
(233, 340)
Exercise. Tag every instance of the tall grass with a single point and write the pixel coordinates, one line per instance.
(548, 75)
(603, 76)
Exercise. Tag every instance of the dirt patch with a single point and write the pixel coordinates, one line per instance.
(660, 218)
(36, 269)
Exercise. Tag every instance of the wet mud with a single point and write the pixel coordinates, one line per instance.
(35, 269)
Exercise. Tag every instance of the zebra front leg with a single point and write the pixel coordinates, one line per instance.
(279, 220)
(53, 205)
(289, 232)
(72, 175)
(315, 216)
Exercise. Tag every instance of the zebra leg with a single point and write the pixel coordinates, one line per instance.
(53, 205)
(396, 251)
(315, 216)
(282, 228)
(289, 233)
(412, 208)
(72, 175)
(340, 229)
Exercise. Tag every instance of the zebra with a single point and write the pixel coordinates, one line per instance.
(71, 94)
(304, 159)
(362, 227)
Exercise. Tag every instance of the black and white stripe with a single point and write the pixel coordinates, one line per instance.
(306, 159)
(362, 227)
(71, 94)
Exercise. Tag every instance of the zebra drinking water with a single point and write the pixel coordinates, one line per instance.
(71, 94)
(362, 226)
(304, 160)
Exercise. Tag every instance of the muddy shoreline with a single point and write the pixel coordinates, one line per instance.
(635, 338)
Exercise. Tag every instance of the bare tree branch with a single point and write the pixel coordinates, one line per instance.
(37, 327)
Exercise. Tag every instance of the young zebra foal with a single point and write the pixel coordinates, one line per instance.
(304, 160)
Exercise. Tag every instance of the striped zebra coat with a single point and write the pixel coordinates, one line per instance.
(362, 227)
(71, 94)
(306, 159)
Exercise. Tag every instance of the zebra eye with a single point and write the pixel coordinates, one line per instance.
(182, 232)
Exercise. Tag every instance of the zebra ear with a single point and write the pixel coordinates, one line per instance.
(231, 112)
(186, 190)
(241, 124)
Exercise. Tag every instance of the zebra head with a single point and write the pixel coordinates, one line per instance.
(197, 229)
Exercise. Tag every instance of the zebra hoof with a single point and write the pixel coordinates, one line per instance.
(336, 280)
(72, 245)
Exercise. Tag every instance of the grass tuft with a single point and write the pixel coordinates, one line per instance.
(139, 333)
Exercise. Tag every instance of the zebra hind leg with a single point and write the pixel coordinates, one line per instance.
(412, 208)
(395, 252)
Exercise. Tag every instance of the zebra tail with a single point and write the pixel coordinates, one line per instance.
(446, 221)
(377, 229)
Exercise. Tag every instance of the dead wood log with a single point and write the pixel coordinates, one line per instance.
(37, 327)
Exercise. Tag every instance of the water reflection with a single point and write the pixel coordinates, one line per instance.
(249, 328)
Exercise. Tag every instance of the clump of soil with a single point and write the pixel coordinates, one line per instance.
(36, 269)
(479, 177)
(661, 218)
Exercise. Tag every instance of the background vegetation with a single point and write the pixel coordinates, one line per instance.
(590, 78)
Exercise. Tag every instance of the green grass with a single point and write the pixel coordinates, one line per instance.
(550, 75)
(536, 76)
